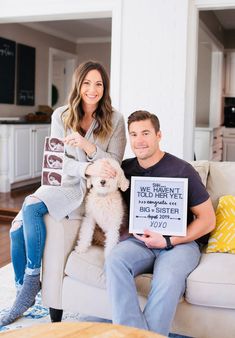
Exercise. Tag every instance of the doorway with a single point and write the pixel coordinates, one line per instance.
(209, 94)
(61, 68)
(191, 78)
(87, 10)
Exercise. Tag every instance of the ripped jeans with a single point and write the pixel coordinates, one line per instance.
(28, 234)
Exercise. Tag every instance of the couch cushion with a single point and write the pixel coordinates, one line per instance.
(212, 283)
(221, 180)
(222, 238)
(202, 167)
(89, 268)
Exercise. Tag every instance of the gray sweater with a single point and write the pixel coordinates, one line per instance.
(66, 200)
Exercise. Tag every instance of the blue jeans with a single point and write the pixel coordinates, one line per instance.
(170, 269)
(28, 241)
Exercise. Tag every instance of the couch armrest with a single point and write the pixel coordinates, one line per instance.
(60, 241)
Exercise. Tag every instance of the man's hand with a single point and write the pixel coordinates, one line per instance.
(152, 240)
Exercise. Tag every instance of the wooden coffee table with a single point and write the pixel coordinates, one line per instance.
(83, 330)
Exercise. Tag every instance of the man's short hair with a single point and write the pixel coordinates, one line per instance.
(141, 115)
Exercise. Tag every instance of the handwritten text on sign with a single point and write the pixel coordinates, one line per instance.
(159, 204)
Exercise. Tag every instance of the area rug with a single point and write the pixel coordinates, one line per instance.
(37, 314)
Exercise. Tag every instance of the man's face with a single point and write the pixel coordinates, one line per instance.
(143, 139)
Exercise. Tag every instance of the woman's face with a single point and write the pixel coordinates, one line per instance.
(92, 88)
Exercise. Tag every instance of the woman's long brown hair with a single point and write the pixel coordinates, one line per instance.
(103, 114)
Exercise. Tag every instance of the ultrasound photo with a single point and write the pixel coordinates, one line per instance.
(53, 159)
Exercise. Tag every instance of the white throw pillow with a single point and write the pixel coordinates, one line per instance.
(202, 167)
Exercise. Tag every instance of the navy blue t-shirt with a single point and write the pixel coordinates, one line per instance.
(170, 166)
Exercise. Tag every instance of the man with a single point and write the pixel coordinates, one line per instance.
(170, 259)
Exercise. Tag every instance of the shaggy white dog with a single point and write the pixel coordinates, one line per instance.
(103, 207)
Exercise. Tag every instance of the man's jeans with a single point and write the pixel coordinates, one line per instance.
(28, 241)
(131, 258)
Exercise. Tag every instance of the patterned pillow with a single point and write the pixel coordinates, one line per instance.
(222, 238)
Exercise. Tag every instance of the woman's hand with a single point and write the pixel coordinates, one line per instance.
(101, 168)
(152, 240)
(77, 140)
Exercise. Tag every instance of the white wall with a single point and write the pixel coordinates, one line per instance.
(153, 64)
(95, 51)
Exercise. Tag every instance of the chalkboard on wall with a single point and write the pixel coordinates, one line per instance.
(7, 70)
(25, 75)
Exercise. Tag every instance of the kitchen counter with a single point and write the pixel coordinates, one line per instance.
(22, 122)
(229, 144)
(208, 143)
(203, 127)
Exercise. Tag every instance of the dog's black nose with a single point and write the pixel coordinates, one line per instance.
(102, 182)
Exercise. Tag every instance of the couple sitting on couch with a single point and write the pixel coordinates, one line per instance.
(148, 252)
(170, 258)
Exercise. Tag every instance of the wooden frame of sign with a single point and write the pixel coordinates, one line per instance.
(159, 204)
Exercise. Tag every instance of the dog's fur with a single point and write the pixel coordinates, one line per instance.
(103, 207)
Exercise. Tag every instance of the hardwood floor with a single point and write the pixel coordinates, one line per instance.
(5, 257)
(14, 199)
(10, 204)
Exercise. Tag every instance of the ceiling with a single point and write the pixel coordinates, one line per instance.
(91, 30)
(226, 18)
(80, 30)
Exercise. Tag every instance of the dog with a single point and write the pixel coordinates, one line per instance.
(104, 207)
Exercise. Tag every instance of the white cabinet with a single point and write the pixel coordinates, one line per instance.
(208, 144)
(230, 74)
(20, 153)
(22, 145)
(39, 134)
(27, 142)
(229, 144)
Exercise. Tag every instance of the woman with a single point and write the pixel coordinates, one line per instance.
(90, 129)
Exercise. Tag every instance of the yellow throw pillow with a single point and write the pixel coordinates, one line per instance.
(222, 238)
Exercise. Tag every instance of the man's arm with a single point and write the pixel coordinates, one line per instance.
(203, 223)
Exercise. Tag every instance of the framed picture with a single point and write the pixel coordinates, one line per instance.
(25, 88)
(159, 204)
(7, 71)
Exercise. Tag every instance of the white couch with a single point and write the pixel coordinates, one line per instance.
(76, 282)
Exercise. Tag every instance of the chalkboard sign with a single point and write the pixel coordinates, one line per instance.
(25, 75)
(7, 70)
